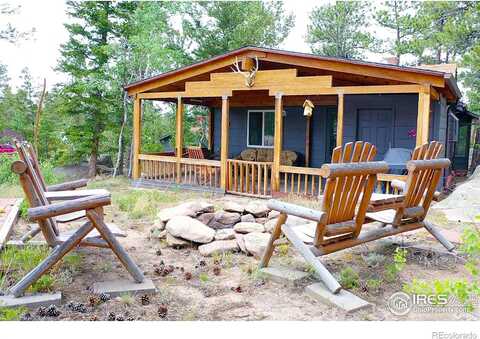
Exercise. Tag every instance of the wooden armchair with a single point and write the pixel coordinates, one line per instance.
(338, 223)
(94, 232)
(25, 150)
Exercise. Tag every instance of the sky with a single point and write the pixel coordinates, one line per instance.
(41, 53)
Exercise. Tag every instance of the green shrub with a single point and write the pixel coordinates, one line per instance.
(11, 314)
(463, 289)
(349, 278)
(43, 284)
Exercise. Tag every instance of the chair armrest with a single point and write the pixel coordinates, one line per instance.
(70, 195)
(66, 207)
(296, 210)
(69, 185)
(399, 184)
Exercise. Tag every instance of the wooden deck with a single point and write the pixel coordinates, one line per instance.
(9, 213)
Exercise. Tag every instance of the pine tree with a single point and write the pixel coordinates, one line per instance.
(339, 30)
(85, 58)
(398, 17)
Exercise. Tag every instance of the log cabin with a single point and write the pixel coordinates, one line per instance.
(275, 117)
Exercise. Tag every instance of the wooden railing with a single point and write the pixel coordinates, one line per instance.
(200, 172)
(249, 178)
(157, 167)
(301, 180)
(384, 183)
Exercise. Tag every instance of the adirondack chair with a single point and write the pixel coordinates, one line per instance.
(94, 232)
(25, 149)
(422, 180)
(360, 151)
(426, 151)
(28, 156)
(348, 185)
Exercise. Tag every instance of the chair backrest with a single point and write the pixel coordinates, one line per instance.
(359, 151)
(347, 184)
(195, 152)
(427, 151)
(422, 180)
(33, 188)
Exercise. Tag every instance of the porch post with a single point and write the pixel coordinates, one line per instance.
(224, 142)
(277, 142)
(340, 119)
(179, 137)
(137, 125)
(423, 117)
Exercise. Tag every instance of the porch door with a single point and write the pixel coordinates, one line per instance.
(376, 126)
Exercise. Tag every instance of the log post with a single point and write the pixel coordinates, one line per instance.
(277, 142)
(224, 142)
(423, 117)
(179, 138)
(137, 122)
(340, 109)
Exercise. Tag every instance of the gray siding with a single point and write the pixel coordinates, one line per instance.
(404, 107)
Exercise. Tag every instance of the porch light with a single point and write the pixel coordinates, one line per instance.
(308, 108)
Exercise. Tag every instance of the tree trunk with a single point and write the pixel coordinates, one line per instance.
(121, 143)
(92, 164)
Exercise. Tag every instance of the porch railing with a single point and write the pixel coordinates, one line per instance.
(194, 172)
(301, 180)
(200, 172)
(249, 178)
(157, 167)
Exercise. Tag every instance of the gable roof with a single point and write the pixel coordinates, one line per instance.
(436, 78)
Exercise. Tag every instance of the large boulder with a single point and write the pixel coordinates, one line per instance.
(463, 204)
(190, 229)
(218, 246)
(270, 225)
(258, 209)
(191, 209)
(176, 242)
(248, 227)
(247, 218)
(227, 218)
(232, 206)
(225, 234)
(241, 242)
(206, 218)
(256, 242)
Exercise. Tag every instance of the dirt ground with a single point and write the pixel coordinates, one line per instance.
(229, 287)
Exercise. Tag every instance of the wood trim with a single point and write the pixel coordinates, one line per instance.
(286, 89)
(224, 142)
(277, 142)
(179, 137)
(201, 162)
(340, 111)
(137, 125)
(163, 158)
(423, 117)
(364, 70)
(302, 170)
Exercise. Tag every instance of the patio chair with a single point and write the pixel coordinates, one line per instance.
(360, 151)
(339, 221)
(94, 232)
(25, 149)
(422, 180)
(426, 151)
(202, 174)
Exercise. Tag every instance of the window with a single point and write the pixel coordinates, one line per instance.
(260, 128)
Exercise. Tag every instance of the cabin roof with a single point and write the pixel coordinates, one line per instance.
(437, 77)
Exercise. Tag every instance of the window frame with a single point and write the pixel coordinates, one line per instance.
(263, 111)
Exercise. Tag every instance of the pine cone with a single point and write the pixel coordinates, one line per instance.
(104, 297)
(52, 311)
(145, 300)
(111, 316)
(162, 311)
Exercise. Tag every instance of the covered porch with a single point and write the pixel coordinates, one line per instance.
(281, 84)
